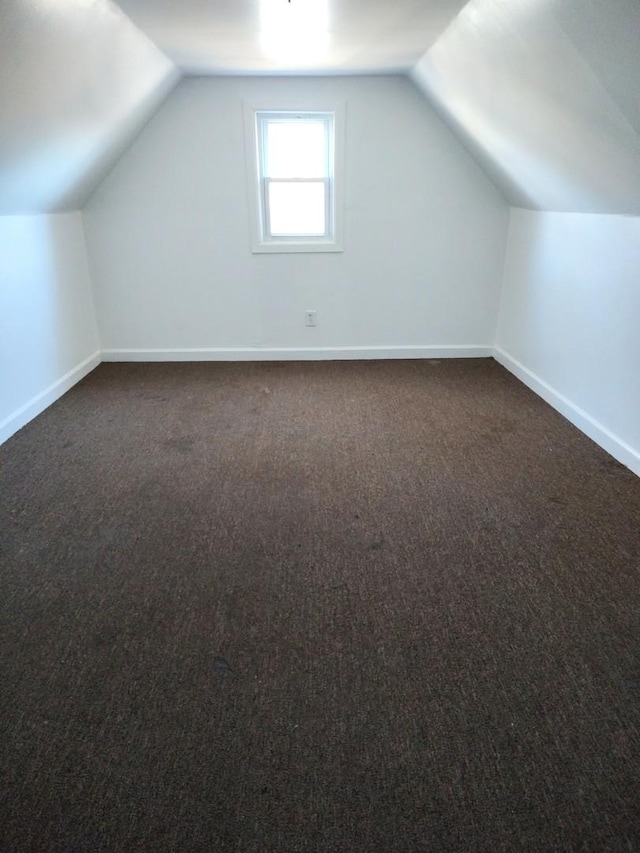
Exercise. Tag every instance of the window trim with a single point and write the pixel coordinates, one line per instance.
(257, 185)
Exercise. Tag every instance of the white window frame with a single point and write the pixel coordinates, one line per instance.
(261, 241)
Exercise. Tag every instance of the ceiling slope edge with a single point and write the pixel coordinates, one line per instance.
(529, 102)
(78, 81)
(115, 146)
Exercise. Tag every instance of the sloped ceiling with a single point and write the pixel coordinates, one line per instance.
(546, 94)
(251, 36)
(77, 81)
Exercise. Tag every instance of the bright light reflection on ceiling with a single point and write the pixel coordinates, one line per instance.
(294, 31)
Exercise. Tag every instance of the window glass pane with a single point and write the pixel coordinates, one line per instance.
(297, 209)
(296, 149)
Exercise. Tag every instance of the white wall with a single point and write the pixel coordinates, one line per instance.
(169, 238)
(48, 335)
(570, 320)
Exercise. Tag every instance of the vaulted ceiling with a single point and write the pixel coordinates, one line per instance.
(77, 82)
(252, 36)
(545, 93)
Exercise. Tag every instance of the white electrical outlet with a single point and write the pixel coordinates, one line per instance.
(310, 318)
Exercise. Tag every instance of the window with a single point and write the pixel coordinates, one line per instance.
(294, 160)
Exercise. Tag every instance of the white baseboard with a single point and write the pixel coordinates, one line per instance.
(45, 398)
(296, 353)
(596, 431)
(610, 442)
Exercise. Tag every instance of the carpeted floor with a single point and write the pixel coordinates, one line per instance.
(376, 606)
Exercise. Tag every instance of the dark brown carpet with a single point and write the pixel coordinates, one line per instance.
(381, 606)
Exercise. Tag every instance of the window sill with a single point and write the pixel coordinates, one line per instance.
(281, 247)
